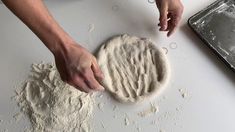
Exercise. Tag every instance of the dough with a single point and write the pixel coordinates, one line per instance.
(134, 68)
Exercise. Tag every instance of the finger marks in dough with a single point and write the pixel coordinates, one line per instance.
(134, 68)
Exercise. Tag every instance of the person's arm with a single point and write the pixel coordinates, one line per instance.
(170, 14)
(75, 64)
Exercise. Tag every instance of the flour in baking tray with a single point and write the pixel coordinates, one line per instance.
(52, 105)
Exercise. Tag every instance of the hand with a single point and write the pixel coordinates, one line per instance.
(75, 65)
(170, 15)
(78, 68)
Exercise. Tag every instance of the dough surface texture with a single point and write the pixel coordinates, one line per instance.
(135, 69)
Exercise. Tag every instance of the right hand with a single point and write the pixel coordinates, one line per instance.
(79, 68)
(170, 15)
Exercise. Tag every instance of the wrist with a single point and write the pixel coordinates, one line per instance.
(62, 45)
(57, 40)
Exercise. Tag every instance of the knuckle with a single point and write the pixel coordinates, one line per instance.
(83, 71)
(87, 75)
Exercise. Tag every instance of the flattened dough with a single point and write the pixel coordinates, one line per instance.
(134, 68)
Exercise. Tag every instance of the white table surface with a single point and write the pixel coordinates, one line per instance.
(210, 106)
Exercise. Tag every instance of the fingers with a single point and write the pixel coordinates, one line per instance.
(90, 80)
(163, 17)
(173, 24)
(175, 18)
(79, 83)
(170, 15)
(96, 70)
(85, 81)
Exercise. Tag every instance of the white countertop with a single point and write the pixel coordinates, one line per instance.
(210, 106)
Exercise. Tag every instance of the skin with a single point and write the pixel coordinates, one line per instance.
(75, 64)
(170, 15)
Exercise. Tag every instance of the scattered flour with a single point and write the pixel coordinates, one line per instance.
(138, 129)
(115, 116)
(101, 96)
(154, 122)
(184, 93)
(17, 116)
(127, 121)
(4, 130)
(114, 107)
(103, 126)
(100, 106)
(52, 105)
(91, 28)
(152, 110)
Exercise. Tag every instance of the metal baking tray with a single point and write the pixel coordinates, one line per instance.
(215, 25)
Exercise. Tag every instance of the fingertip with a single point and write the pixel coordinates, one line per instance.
(101, 88)
(99, 76)
(170, 33)
(102, 75)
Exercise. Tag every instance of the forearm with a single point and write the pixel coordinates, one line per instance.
(36, 16)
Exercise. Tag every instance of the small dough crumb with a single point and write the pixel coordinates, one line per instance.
(152, 110)
(154, 122)
(101, 96)
(101, 106)
(17, 116)
(103, 126)
(184, 93)
(127, 122)
(91, 27)
(138, 129)
(115, 116)
(114, 107)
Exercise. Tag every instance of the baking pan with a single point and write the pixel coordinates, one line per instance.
(215, 25)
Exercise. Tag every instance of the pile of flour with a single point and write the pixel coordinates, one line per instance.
(52, 105)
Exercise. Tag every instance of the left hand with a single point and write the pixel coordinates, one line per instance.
(170, 15)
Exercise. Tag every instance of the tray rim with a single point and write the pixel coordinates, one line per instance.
(190, 24)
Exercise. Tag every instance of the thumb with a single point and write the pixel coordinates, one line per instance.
(96, 70)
